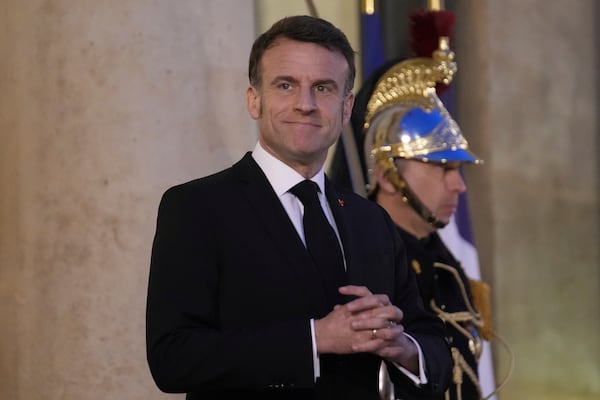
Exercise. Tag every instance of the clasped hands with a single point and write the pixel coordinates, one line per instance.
(369, 323)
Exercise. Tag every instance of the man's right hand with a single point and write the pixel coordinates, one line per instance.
(366, 323)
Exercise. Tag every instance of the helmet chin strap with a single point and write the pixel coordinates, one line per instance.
(412, 200)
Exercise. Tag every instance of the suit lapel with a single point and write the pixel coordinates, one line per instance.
(279, 228)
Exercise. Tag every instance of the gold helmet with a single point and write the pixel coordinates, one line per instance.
(406, 119)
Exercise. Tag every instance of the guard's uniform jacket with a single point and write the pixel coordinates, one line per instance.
(441, 291)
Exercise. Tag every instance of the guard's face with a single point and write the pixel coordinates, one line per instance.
(438, 186)
(302, 105)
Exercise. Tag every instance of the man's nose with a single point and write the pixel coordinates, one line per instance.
(305, 100)
(455, 180)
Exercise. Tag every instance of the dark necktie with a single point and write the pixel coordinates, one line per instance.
(321, 240)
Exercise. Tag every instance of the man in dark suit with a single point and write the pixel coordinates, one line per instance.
(238, 307)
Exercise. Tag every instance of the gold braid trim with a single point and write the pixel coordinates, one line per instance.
(471, 315)
(461, 367)
(481, 297)
(463, 290)
(475, 344)
(454, 319)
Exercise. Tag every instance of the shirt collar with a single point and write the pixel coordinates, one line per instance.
(281, 176)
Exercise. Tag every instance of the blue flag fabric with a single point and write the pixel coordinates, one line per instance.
(371, 43)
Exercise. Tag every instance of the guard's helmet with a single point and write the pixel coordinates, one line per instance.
(406, 119)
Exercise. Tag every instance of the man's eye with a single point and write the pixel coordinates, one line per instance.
(322, 88)
(285, 85)
(449, 168)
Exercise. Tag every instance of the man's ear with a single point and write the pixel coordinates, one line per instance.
(383, 182)
(347, 107)
(253, 102)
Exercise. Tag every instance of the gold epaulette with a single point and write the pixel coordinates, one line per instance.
(482, 302)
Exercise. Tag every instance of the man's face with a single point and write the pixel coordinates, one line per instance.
(436, 185)
(301, 106)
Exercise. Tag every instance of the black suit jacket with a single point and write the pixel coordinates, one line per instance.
(232, 289)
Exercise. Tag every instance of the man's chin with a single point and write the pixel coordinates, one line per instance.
(443, 219)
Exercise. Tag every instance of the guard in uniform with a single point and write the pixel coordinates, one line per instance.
(412, 154)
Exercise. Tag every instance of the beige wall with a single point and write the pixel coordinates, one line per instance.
(528, 83)
(104, 104)
(342, 13)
